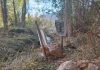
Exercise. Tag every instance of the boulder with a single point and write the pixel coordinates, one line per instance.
(68, 65)
(92, 66)
(97, 61)
(82, 64)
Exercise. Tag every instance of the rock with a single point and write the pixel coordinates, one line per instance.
(92, 66)
(68, 65)
(82, 64)
(97, 60)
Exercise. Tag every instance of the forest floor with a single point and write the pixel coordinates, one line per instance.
(18, 51)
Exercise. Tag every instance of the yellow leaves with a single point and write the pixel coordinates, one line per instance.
(1, 23)
(20, 2)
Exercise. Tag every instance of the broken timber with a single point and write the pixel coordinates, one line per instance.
(40, 38)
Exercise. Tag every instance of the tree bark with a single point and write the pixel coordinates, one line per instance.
(15, 15)
(68, 18)
(4, 13)
(23, 13)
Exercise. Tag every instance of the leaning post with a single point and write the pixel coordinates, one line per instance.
(41, 39)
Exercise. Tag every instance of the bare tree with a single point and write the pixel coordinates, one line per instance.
(23, 13)
(68, 18)
(4, 13)
(15, 15)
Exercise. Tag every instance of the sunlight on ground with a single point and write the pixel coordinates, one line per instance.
(1, 25)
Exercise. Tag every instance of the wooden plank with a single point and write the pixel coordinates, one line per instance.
(41, 39)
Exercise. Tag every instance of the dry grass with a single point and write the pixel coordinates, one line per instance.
(29, 61)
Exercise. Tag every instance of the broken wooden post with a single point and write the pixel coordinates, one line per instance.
(44, 37)
(62, 43)
(41, 39)
(49, 50)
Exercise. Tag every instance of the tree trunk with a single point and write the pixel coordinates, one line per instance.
(68, 17)
(23, 13)
(15, 15)
(4, 13)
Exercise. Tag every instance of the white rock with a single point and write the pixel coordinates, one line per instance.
(92, 67)
(68, 65)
